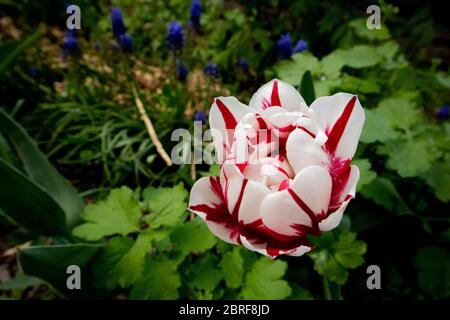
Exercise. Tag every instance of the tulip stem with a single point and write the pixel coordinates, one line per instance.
(151, 130)
(331, 290)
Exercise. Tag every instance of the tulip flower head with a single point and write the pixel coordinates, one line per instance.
(285, 168)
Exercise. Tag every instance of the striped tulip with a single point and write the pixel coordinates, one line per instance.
(286, 168)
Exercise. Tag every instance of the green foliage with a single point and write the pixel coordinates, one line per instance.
(434, 271)
(193, 236)
(160, 280)
(264, 282)
(336, 253)
(166, 206)
(232, 266)
(118, 214)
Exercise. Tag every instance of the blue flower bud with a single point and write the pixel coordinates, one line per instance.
(175, 36)
(211, 69)
(301, 46)
(200, 116)
(117, 22)
(196, 11)
(285, 46)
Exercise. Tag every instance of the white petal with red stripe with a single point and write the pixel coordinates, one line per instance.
(341, 116)
(348, 193)
(224, 116)
(303, 151)
(286, 212)
(277, 93)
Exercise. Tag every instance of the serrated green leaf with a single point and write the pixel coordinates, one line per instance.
(193, 236)
(292, 70)
(130, 267)
(438, 177)
(349, 251)
(335, 253)
(107, 259)
(118, 214)
(160, 280)
(360, 56)
(167, 206)
(232, 266)
(403, 157)
(366, 175)
(384, 193)
(264, 281)
(204, 273)
(378, 126)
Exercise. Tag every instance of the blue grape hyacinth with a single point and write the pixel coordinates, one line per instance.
(126, 42)
(196, 12)
(117, 22)
(211, 69)
(285, 46)
(70, 43)
(243, 64)
(182, 71)
(443, 112)
(200, 116)
(300, 46)
(175, 37)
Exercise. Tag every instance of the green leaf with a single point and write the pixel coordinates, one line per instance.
(167, 206)
(160, 280)
(203, 273)
(9, 51)
(232, 266)
(349, 251)
(335, 253)
(214, 170)
(193, 236)
(444, 79)
(360, 56)
(41, 171)
(307, 88)
(37, 210)
(384, 193)
(378, 126)
(359, 27)
(292, 70)
(107, 258)
(438, 177)
(434, 271)
(118, 214)
(332, 64)
(263, 281)
(366, 175)
(403, 157)
(20, 282)
(131, 265)
(50, 264)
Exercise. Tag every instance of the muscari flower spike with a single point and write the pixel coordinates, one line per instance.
(200, 116)
(196, 11)
(243, 64)
(126, 42)
(175, 36)
(211, 69)
(285, 46)
(117, 22)
(70, 43)
(182, 71)
(443, 112)
(300, 46)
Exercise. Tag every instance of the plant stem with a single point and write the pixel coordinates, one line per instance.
(331, 290)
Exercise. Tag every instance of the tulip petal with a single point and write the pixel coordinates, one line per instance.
(294, 210)
(273, 249)
(224, 115)
(277, 93)
(348, 193)
(302, 151)
(341, 116)
(207, 201)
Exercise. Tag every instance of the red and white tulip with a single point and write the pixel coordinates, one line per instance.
(285, 168)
